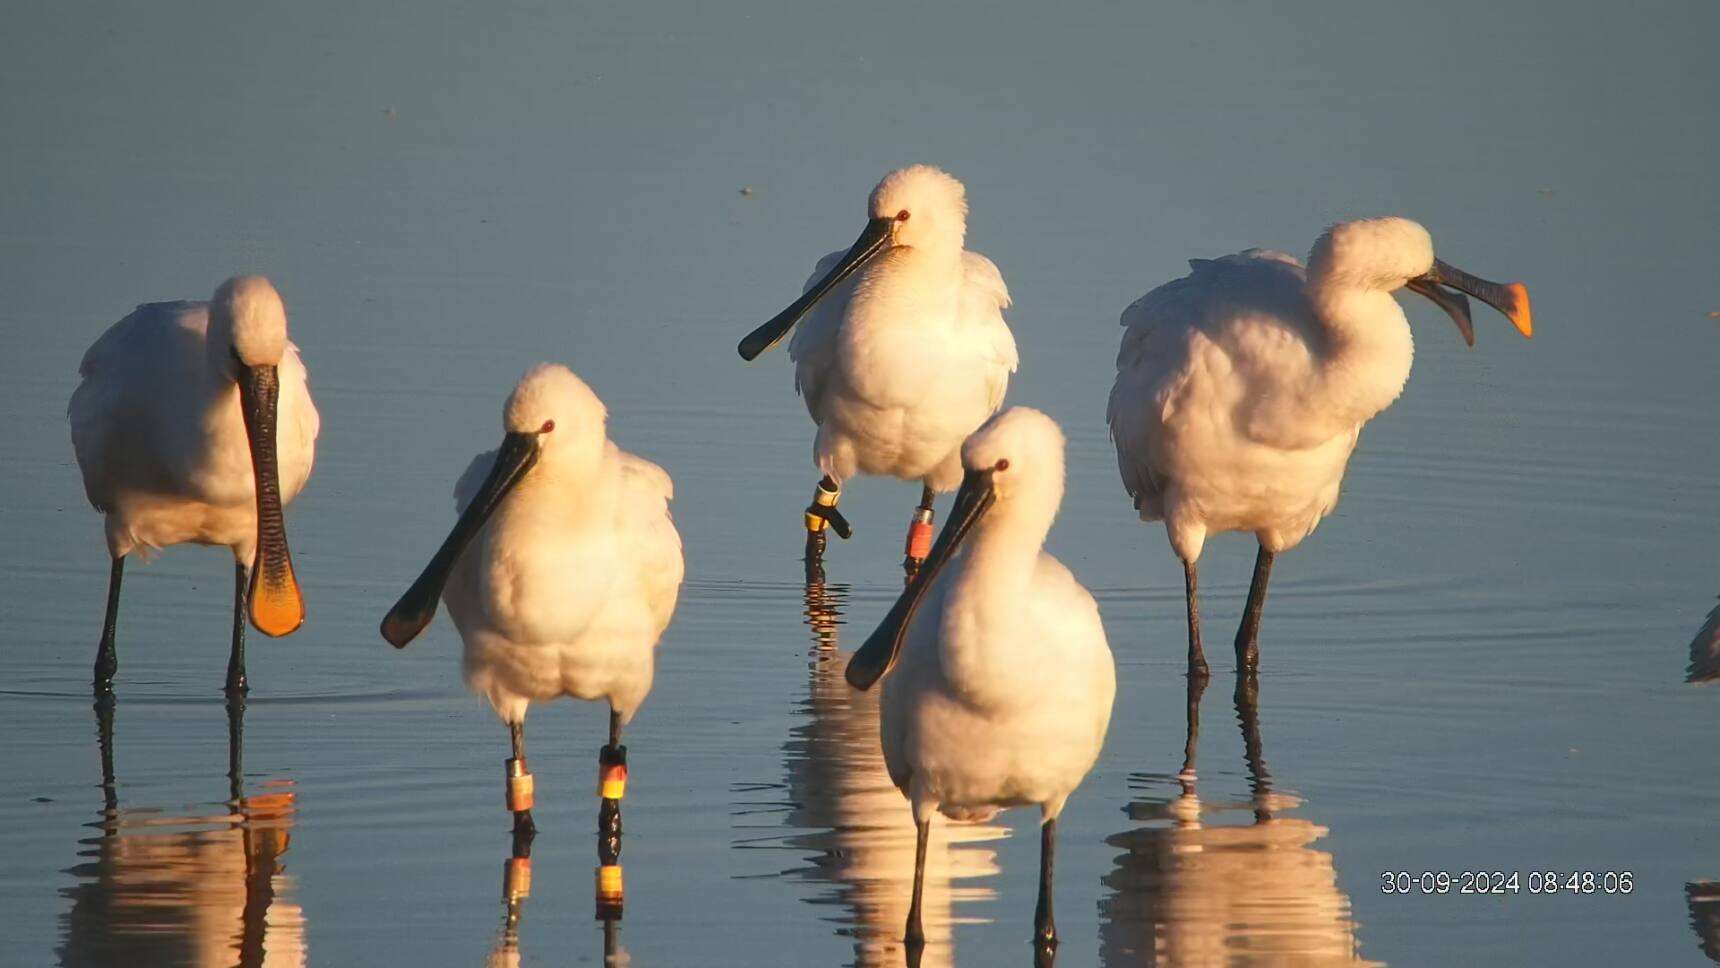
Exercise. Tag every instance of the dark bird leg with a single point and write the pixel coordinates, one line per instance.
(236, 746)
(611, 787)
(1196, 688)
(915, 936)
(919, 543)
(236, 681)
(1044, 922)
(107, 661)
(1248, 634)
(1197, 668)
(104, 706)
(521, 789)
(1248, 717)
(819, 514)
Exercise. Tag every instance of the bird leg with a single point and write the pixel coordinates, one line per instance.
(1247, 699)
(611, 787)
(919, 543)
(520, 791)
(104, 706)
(1044, 923)
(107, 661)
(1196, 687)
(820, 512)
(236, 746)
(1197, 667)
(236, 681)
(1248, 634)
(915, 936)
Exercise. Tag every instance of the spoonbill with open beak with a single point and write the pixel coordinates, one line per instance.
(1242, 388)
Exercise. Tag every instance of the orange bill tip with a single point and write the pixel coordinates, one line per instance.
(277, 607)
(1520, 316)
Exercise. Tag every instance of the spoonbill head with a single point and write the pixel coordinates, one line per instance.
(918, 207)
(193, 422)
(999, 678)
(561, 573)
(1353, 260)
(1242, 387)
(901, 351)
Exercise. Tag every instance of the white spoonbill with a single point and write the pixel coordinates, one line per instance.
(1242, 388)
(193, 422)
(1002, 683)
(903, 351)
(561, 574)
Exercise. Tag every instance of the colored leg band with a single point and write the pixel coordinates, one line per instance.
(517, 878)
(610, 894)
(520, 785)
(822, 497)
(920, 535)
(613, 781)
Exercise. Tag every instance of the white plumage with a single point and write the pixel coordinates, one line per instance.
(561, 572)
(897, 370)
(568, 588)
(182, 407)
(160, 439)
(1001, 693)
(1242, 388)
(902, 350)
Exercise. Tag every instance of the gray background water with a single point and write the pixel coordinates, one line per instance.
(1476, 662)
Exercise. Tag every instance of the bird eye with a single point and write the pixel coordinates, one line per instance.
(1001, 465)
(548, 425)
(902, 216)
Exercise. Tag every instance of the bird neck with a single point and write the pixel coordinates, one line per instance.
(1368, 348)
(999, 561)
(568, 482)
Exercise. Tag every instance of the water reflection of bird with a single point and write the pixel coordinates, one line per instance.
(861, 841)
(561, 573)
(517, 887)
(1705, 651)
(998, 693)
(205, 890)
(1188, 891)
(1242, 387)
(193, 423)
(901, 362)
(1704, 900)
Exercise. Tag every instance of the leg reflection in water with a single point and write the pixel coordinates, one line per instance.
(517, 887)
(203, 889)
(1232, 882)
(847, 821)
(1704, 900)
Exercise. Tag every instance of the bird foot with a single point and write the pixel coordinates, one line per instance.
(818, 515)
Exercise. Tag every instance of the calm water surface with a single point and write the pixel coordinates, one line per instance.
(1477, 662)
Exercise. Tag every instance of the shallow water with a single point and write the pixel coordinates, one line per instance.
(1477, 662)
